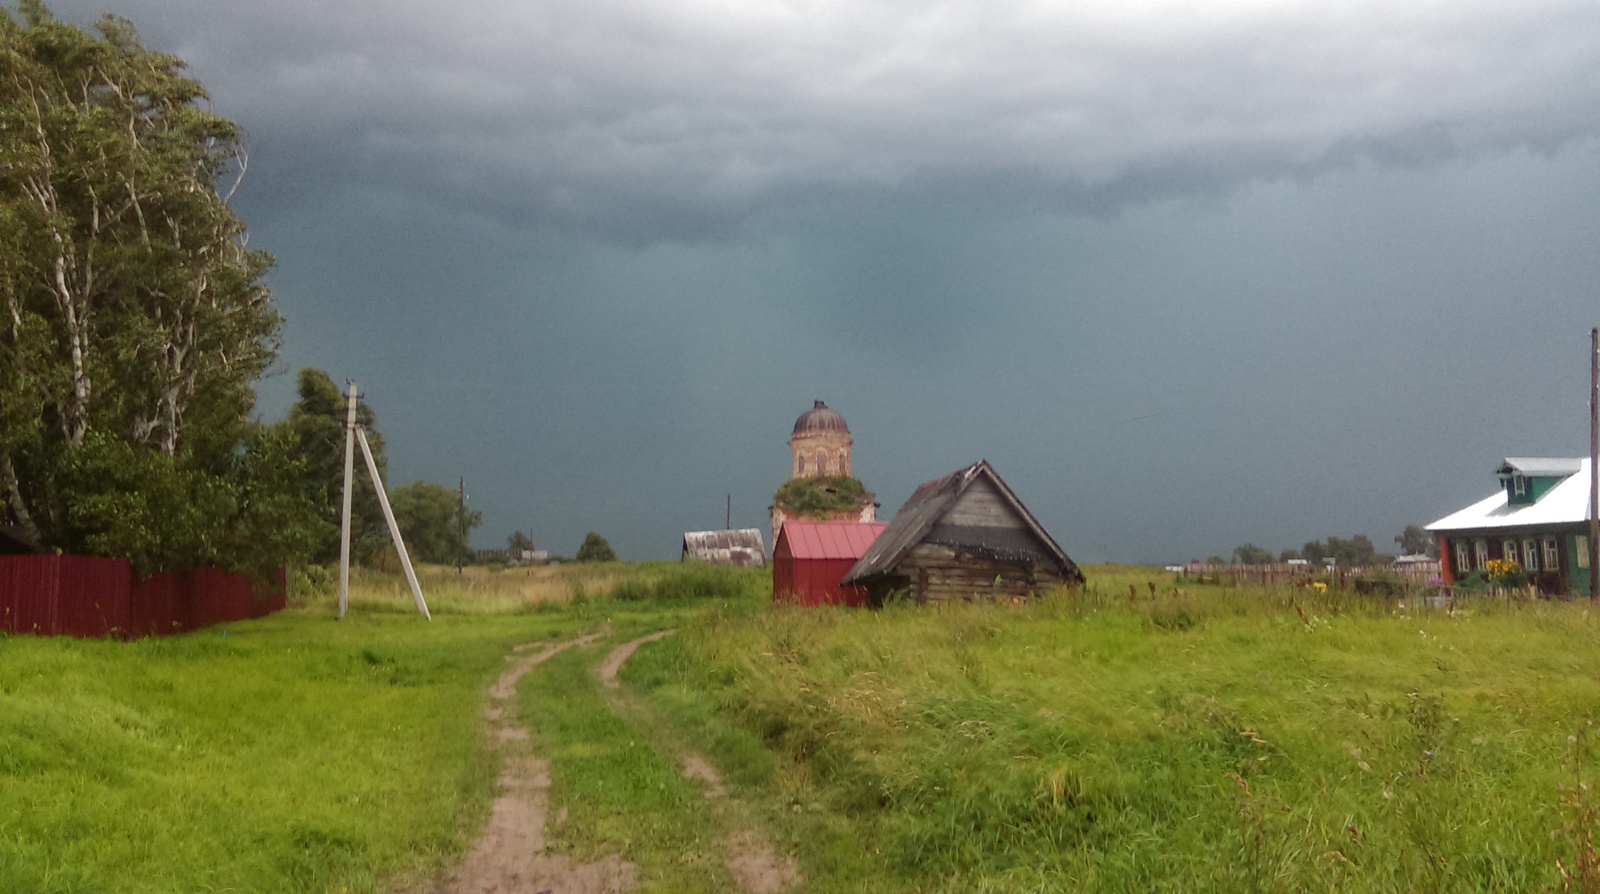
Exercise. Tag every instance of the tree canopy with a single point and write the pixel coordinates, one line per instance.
(1416, 541)
(316, 425)
(595, 549)
(133, 319)
(1250, 554)
(432, 522)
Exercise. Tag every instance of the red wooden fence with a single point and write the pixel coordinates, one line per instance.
(54, 595)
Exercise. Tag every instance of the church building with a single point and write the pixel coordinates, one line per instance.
(821, 486)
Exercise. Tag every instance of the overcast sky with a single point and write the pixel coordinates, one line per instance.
(1189, 275)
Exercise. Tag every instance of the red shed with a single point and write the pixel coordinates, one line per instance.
(811, 557)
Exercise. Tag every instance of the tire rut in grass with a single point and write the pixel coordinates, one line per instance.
(750, 854)
(509, 856)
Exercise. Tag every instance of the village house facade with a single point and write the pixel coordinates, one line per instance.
(1538, 518)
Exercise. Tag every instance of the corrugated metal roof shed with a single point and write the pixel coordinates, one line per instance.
(829, 539)
(743, 547)
(811, 556)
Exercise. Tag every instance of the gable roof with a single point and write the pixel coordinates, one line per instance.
(928, 505)
(1540, 466)
(828, 539)
(1566, 503)
(742, 546)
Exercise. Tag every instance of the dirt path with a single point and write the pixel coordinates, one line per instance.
(619, 655)
(752, 859)
(509, 856)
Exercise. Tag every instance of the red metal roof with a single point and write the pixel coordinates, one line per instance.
(829, 539)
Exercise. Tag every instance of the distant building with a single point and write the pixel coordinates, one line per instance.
(1538, 518)
(743, 547)
(819, 447)
(810, 558)
(963, 536)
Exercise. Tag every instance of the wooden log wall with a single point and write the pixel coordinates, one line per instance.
(935, 572)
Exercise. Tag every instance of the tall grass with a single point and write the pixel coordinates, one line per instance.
(1220, 739)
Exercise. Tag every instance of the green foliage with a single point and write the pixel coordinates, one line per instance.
(1416, 541)
(1227, 739)
(1289, 555)
(432, 522)
(133, 320)
(820, 495)
(595, 549)
(317, 423)
(1250, 554)
(695, 580)
(1357, 551)
(518, 543)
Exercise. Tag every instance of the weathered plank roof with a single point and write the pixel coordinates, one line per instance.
(1566, 503)
(921, 517)
(828, 539)
(742, 546)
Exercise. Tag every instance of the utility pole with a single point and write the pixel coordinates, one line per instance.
(344, 512)
(1594, 463)
(355, 436)
(461, 523)
(728, 525)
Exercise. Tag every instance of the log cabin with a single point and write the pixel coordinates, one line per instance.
(963, 536)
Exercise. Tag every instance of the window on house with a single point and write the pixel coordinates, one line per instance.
(1552, 555)
(1530, 554)
(1583, 550)
(1519, 485)
(1463, 557)
(1481, 549)
(1508, 550)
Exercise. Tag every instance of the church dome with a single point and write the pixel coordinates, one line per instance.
(820, 418)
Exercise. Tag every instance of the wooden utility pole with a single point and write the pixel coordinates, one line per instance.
(728, 525)
(1594, 463)
(461, 522)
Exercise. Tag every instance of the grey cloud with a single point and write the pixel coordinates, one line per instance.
(612, 115)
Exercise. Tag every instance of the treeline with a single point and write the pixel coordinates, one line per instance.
(1358, 550)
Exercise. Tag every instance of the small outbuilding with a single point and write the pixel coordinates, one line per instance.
(810, 557)
(963, 536)
(742, 547)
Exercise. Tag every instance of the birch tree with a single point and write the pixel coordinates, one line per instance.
(135, 319)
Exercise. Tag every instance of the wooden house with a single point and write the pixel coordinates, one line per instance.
(1538, 518)
(963, 536)
(810, 557)
(743, 547)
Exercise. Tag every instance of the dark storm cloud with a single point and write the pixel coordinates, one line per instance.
(661, 119)
(1189, 275)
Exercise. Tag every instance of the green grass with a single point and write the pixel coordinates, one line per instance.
(1223, 739)
(1226, 740)
(276, 755)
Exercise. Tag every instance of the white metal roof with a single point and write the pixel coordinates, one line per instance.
(1566, 503)
(1542, 465)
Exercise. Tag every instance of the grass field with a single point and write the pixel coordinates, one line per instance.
(1222, 739)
